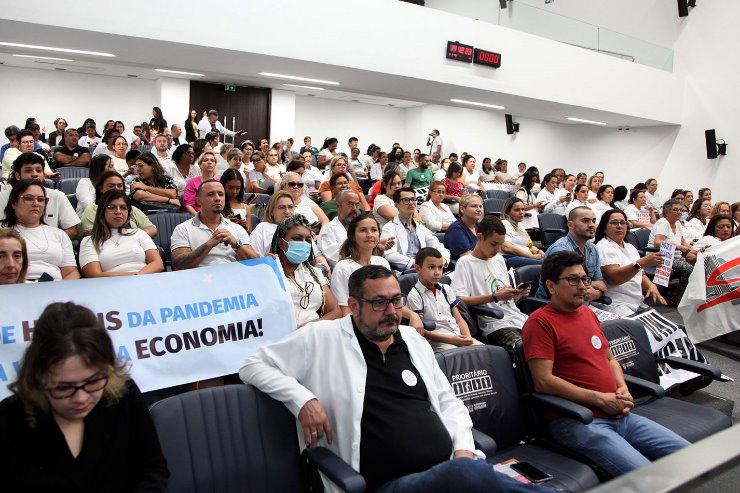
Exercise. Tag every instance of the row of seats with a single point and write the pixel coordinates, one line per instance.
(236, 438)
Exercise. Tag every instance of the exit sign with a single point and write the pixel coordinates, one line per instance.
(230, 87)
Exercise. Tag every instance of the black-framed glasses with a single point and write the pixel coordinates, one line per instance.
(113, 208)
(618, 223)
(574, 280)
(407, 200)
(65, 391)
(307, 290)
(381, 304)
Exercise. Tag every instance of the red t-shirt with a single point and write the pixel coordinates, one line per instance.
(576, 345)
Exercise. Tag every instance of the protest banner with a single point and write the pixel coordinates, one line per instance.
(663, 272)
(172, 328)
(711, 303)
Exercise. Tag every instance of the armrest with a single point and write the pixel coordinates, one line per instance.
(484, 443)
(428, 324)
(486, 311)
(691, 365)
(530, 304)
(651, 250)
(334, 468)
(563, 406)
(646, 386)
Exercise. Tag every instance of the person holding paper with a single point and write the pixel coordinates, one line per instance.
(639, 213)
(76, 421)
(668, 228)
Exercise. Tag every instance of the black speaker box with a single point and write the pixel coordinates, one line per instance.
(511, 127)
(683, 8)
(711, 138)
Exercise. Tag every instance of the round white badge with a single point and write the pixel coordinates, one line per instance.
(596, 342)
(408, 378)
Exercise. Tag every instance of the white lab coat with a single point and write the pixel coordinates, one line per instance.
(396, 256)
(323, 360)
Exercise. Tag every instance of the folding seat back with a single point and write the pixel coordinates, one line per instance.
(493, 206)
(68, 185)
(73, 172)
(166, 223)
(553, 227)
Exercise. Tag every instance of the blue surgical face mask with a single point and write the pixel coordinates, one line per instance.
(297, 252)
(684, 216)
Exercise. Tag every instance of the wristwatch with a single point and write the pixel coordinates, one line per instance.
(237, 245)
(495, 298)
(637, 267)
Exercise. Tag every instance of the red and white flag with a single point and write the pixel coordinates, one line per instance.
(711, 303)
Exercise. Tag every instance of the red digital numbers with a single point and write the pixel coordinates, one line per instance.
(488, 58)
(460, 52)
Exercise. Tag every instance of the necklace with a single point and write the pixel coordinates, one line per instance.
(27, 236)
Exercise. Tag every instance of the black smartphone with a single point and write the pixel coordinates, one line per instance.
(45, 277)
(524, 285)
(530, 472)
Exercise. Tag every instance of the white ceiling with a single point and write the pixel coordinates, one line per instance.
(139, 57)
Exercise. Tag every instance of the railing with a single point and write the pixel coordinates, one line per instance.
(540, 22)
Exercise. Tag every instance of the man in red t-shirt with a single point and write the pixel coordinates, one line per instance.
(569, 356)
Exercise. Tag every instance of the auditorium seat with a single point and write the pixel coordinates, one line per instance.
(497, 194)
(483, 377)
(640, 367)
(73, 172)
(68, 185)
(553, 227)
(166, 223)
(236, 438)
(493, 206)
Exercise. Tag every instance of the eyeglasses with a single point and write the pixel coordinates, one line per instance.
(618, 223)
(574, 280)
(114, 208)
(380, 305)
(285, 207)
(31, 199)
(307, 290)
(67, 391)
(438, 192)
(407, 200)
(294, 184)
(677, 210)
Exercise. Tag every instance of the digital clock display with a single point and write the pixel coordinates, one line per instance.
(489, 58)
(460, 52)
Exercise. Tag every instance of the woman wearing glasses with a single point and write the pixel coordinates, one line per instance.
(293, 184)
(309, 290)
(338, 165)
(115, 248)
(436, 214)
(76, 421)
(279, 207)
(622, 266)
(50, 253)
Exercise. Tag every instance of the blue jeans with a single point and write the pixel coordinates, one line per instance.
(457, 475)
(618, 445)
(516, 261)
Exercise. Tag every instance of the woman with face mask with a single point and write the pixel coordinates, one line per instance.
(309, 290)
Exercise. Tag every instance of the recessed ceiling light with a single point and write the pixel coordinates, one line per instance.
(304, 87)
(304, 79)
(474, 103)
(51, 48)
(178, 72)
(45, 58)
(580, 120)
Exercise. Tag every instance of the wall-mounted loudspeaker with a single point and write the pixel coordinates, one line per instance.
(511, 127)
(502, 3)
(711, 138)
(683, 8)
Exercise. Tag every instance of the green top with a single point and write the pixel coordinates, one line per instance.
(418, 179)
(330, 208)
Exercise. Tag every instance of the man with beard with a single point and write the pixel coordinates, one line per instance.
(335, 233)
(569, 356)
(421, 176)
(581, 228)
(209, 238)
(371, 391)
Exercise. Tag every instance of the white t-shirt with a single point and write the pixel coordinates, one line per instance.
(476, 277)
(120, 253)
(471, 179)
(342, 271)
(85, 194)
(438, 141)
(303, 285)
(553, 203)
(58, 213)
(381, 200)
(180, 181)
(528, 198)
(629, 292)
(434, 218)
(86, 141)
(330, 240)
(599, 209)
(49, 249)
(119, 164)
(707, 242)
(515, 237)
(262, 237)
(310, 177)
(192, 234)
(573, 204)
(435, 306)
(694, 229)
(663, 227)
(304, 208)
